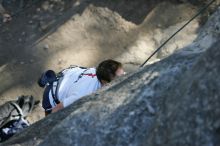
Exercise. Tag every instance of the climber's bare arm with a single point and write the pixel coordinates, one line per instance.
(57, 107)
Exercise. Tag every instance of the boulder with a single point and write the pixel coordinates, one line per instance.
(172, 102)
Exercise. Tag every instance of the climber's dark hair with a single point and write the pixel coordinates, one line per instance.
(106, 70)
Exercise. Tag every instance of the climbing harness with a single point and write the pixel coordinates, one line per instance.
(51, 82)
(200, 12)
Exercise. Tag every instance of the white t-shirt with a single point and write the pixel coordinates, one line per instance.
(72, 88)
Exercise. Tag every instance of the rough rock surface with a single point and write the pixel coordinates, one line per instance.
(190, 110)
(48, 33)
(169, 103)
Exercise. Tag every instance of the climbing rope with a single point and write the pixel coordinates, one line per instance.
(200, 12)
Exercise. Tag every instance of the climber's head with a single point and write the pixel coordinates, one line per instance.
(108, 70)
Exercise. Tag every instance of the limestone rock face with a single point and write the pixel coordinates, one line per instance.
(173, 102)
